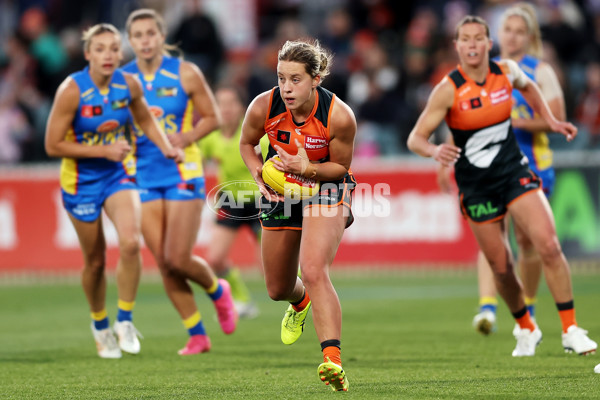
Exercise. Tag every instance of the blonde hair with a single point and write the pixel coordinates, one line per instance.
(527, 12)
(148, 13)
(96, 30)
(472, 19)
(316, 60)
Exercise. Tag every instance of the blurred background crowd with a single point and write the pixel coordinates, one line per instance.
(388, 56)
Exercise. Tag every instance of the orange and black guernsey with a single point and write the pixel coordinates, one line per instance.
(313, 133)
(479, 120)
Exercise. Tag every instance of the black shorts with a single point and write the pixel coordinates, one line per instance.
(289, 214)
(487, 203)
(239, 215)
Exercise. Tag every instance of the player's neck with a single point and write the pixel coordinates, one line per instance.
(476, 73)
(229, 130)
(101, 81)
(149, 66)
(302, 113)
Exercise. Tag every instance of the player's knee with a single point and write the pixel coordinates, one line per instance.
(314, 274)
(549, 250)
(129, 246)
(173, 263)
(96, 264)
(503, 270)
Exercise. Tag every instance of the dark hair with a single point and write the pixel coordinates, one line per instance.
(472, 19)
(316, 60)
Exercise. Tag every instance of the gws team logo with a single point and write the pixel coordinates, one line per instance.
(224, 199)
(283, 136)
(108, 126)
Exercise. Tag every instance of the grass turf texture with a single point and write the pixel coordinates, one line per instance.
(404, 336)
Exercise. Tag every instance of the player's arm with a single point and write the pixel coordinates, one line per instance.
(552, 93)
(252, 131)
(341, 144)
(444, 173)
(197, 89)
(60, 120)
(439, 102)
(533, 96)
(146, 121)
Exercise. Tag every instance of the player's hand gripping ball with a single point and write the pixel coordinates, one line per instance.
(290, 185)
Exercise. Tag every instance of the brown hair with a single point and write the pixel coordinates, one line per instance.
(527, 13)
(316, 60)
(96, 30)
(148, 13)
(472, 19)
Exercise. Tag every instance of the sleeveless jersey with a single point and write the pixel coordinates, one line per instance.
(174, 110)
(535, 145)
(313, 133)
(479, 120)
(100, 119)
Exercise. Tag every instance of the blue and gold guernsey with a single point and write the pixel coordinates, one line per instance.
(535, 145)
(174, 110)
(101, 119)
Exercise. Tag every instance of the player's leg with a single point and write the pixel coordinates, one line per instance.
(494, 245)
(323, 228)
(123, 208)
(182, 225)
(532, 213)
(485, 320)
(93, 280)
(280, 266)
(178, 290)
(222, 239)
(530, 268)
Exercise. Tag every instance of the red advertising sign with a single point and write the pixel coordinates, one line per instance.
(400, 218)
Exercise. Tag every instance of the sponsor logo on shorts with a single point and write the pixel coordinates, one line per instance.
(84, 209)
(482, 209)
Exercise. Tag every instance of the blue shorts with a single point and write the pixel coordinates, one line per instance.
(188, 190)
(87, 208)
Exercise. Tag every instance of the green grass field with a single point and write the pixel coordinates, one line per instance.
(405, 336)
